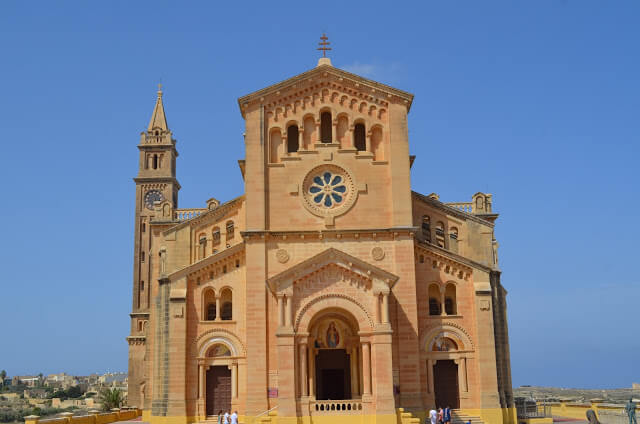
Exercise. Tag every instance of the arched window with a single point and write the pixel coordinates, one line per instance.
(226, 310)
(142, 285)
(230, 230)
(141, 256)
(211, 312)
(293, 142)
(155, 162)
(359, 138)
(450, 306)
(453, 239)
(325, 127)
(426, 228)
(377, 146)
(202, 249)
(215, 235)
(440, 234)
(274, 146)
(209, 305)
(434, 300)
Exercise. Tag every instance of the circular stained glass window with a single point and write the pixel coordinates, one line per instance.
(328, 189)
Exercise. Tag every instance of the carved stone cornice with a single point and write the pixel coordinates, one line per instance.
(375, 90)
(136, 340)
(449, 263)
(139, 314)
(373, 233)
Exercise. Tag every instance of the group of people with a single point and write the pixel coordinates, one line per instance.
(227, 418)
(441, 416)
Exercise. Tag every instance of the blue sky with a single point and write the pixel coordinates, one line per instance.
(536, 102)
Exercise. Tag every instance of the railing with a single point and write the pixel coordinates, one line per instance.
(333, 407)
(186, 214)
(532, 409)
(462, 206)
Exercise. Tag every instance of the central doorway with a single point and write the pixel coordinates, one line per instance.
(333, 374)
(445, 380)
(218, 389)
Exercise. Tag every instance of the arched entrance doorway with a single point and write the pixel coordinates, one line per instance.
(334, 356)
(445, 375)
(218, 376)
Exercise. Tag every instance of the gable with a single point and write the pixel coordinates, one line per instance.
(353, 90)
(333, 265)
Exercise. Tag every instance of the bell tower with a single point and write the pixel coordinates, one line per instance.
(155, 183)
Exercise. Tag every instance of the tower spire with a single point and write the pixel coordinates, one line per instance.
(158, 118)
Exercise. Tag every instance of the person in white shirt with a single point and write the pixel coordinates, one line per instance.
(234, 417)
(226, 418)
(433, 416)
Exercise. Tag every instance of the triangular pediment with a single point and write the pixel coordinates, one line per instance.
(334, 260)
(339, 79)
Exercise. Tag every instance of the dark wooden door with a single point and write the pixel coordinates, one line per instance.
(445, 381)
(218, 389)
(333, 374)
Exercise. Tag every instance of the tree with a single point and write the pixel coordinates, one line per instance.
(111, 398)
(3, 375)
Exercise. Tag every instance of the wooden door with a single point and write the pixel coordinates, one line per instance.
(445, 381)
(218, 390)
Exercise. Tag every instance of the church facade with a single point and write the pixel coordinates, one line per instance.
(328, 290)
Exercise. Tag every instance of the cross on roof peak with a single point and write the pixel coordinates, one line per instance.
(323, 45)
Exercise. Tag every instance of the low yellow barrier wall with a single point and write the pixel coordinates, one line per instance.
(579, 410)
(94, 417)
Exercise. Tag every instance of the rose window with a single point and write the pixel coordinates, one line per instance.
(328, 189)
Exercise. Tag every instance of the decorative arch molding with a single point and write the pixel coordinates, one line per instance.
(334, 300)
(457, 330)
(222, 336)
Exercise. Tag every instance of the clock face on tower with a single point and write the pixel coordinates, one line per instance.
(151, 197)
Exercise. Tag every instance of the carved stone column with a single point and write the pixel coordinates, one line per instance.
(289, 311)
(312, 370)
(462, 374)
(280, 310)
(202, 376)
(442, 301)
(303, 370)
(234, 380)
(430, 364)
(366, 367)
(355, 385)
(217, 307)
(385, 308)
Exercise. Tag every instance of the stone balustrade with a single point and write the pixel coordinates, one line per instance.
(93, 417)
(462, 206)
(333, 407)
(185, 214)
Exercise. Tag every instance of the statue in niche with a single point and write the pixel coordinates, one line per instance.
(333, 337)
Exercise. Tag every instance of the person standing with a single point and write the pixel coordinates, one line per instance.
(630, 409)
(433, 416)
(220, 416)
(446, 415)
(440, 416)
(226, 418)
(234, 417)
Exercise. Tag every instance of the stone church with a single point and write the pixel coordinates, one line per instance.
(328, 290)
